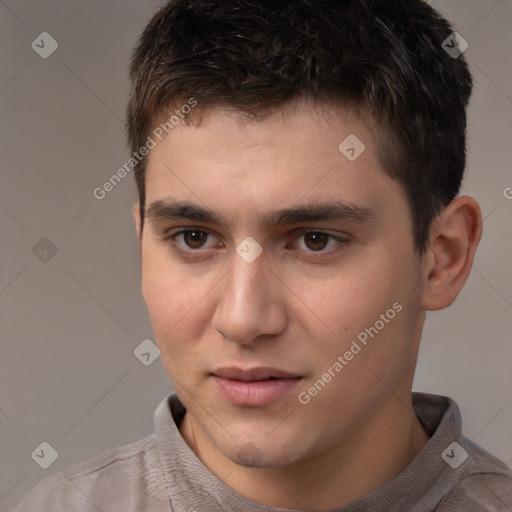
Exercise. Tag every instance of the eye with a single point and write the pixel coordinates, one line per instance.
(317, 241)
(191, 239)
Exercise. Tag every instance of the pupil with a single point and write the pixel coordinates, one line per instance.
(195, 239)
(319, 240)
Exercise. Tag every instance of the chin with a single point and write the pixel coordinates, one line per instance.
(263, 454)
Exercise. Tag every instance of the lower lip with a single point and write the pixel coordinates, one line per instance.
(256, 393)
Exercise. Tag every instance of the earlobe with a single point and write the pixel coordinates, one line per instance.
(455, 235)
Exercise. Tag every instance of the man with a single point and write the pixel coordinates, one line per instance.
(298, 165)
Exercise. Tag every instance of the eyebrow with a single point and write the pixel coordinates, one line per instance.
(311, 212)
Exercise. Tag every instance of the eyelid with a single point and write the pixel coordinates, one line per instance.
(302, 231)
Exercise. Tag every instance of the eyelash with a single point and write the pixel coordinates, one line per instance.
(170, 237)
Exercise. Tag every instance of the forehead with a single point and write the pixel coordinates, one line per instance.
(300, 153)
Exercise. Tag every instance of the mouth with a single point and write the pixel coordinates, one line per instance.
(255, 387)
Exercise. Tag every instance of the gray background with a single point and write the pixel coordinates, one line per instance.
(69, 326)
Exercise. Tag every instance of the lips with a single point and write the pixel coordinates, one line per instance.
(254, 374)
(254, 387)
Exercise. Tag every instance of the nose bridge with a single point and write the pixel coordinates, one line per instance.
(249, 303)
(247, 284)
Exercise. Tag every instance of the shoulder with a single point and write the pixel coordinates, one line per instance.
(486, 492)
(485, 487)
(127, 472)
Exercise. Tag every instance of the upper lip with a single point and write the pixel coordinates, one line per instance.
(252, 374)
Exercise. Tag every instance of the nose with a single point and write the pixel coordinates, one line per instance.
(251, 302)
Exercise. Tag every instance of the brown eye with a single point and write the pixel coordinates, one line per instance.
(194, 239)
(316, 240)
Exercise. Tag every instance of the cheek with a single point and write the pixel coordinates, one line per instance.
(174, 325)
(368, 305)
(354, 299)
(166, 292)
(178, 307)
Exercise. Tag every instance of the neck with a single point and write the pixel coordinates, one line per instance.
(370, 456)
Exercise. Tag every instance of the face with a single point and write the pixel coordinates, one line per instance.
(280, 277)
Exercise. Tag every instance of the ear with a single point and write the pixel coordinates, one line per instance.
(136, 216)
(454, 237)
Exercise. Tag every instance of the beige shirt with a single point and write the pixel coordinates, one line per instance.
(161, 473)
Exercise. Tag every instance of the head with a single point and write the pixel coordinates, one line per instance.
(316, 148)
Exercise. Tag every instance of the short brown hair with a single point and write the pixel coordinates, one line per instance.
(385, 56)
